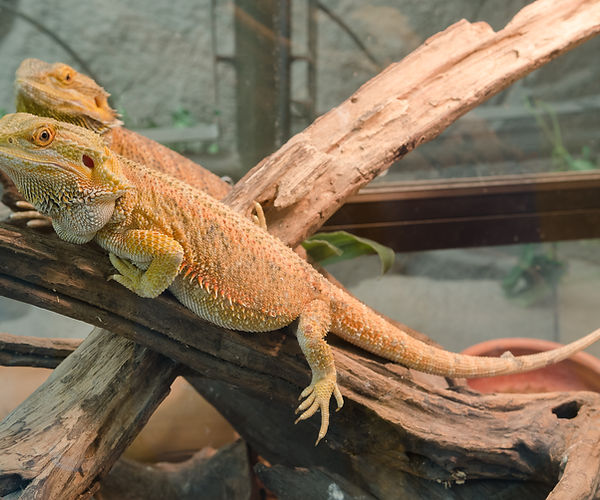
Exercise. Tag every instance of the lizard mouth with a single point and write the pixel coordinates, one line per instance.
(81, 171)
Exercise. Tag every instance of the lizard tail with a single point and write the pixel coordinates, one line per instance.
(361, 326)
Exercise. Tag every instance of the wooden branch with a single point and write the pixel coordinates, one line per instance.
(10, 195)
(414, 428)
(411, 102)
(75, 426)
(223, 475)
(580, 469)
(17, 350)
(416, 432)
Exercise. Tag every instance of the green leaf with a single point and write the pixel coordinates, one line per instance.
(213, 148)
(182, 118)
(533, 278)
(321, 250)
(581, 164)
(327, 248)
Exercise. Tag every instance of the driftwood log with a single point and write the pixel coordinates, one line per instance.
(409, 103)
(222, 475)
(18, 350)
(395, 434)
(393, 431)
(74, 426)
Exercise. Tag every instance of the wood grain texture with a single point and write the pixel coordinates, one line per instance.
(395, 434)
(18, 350)
(222, 475)
(411, 102)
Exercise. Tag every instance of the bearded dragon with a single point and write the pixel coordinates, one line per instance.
(59, 91)
(162, 234)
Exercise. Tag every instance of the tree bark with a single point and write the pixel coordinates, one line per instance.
(224, 475)
(393, 432)
(75, 426)
(18, 350)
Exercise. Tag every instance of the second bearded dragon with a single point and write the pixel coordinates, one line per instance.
(58, 91)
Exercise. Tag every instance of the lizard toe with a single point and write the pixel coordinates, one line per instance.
(306, 403)
(318, 396)
(121, 265)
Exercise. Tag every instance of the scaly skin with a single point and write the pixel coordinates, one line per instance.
(58, 91)
(162, 234)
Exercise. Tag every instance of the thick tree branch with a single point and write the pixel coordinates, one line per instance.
(223, 475)
(409, 103)
(74, 426)
(413, 428)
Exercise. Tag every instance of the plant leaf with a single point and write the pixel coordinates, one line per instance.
(327, 248)
(320, 250)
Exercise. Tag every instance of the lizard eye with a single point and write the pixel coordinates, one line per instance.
(43, 135)
(87, 161)
(64, 75)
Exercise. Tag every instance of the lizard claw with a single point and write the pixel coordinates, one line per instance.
(130, 275)
(30, 216)
(317, 396)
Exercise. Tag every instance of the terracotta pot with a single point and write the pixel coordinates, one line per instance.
(581, 372)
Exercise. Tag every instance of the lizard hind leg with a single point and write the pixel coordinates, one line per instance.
(313, 325)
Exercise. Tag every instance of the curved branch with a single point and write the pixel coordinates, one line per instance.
(74, 426)
(393, 429)
(411, 102)
(580, 460)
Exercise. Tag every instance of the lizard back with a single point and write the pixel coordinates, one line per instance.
(229, 262)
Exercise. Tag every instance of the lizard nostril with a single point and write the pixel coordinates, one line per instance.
(10, 140)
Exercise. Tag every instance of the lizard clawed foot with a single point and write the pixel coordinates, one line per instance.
(130, 274)
(317, 396)
(30, 216)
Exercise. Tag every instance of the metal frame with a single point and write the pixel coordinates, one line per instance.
(426, 215)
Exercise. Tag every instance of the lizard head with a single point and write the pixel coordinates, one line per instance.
(63, 170)
(58, 91)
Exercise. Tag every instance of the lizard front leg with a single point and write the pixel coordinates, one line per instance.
(313, 325)
(153, 259)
